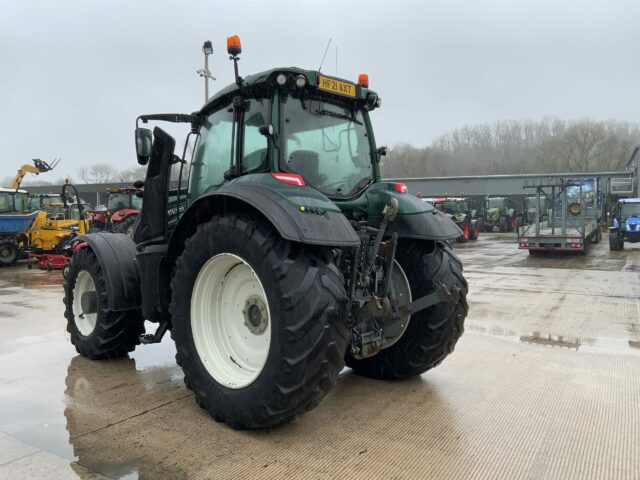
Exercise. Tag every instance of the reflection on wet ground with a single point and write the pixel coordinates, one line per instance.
(544, 384)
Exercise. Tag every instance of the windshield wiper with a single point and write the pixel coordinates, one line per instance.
(337, 115)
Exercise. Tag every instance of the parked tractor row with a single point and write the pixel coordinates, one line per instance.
(41, 226)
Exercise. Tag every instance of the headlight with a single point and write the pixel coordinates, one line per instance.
(301, 81)
(281, 79)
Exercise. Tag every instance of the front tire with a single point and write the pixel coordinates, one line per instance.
(300, 297)
(502, 224)
(102, 333)
(616, 242)
(474, 232)
(8, 253)
(432, 333)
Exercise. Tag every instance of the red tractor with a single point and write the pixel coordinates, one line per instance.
(119, 215)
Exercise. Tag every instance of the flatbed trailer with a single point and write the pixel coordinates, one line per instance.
(573, 224)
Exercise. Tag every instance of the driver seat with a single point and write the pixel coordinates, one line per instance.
(307, 164)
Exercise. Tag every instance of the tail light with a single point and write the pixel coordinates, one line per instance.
(400, 187)
(289, 178)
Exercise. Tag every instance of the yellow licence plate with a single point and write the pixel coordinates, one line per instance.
(336, 86)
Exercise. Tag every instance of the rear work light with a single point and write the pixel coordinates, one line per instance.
(400, 187)
(289, 178)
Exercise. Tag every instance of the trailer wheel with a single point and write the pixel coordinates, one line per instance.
(258, 322)
(598, 236)
(8, 253)
(432, 333)
(96, 331)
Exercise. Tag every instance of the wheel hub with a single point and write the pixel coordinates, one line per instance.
(255, 316)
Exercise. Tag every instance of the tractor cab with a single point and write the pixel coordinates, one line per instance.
(13, 201)
(626, 223)
(122, 198)
(41, 200)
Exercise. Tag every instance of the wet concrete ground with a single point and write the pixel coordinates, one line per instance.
(545, 383)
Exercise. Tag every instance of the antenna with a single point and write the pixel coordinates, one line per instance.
(325, 54)
(336, 60)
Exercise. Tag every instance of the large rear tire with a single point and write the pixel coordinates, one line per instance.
(474, 231)
(432, 333)
(272, 366)
(103, 333)
(466, 230)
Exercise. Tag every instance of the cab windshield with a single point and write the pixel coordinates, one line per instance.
(451, 207)
(12, 202)
(327, 144)
(496, 202)
(118, 201)
(630, 210)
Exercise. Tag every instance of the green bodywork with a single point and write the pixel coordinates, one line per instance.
(496, 208)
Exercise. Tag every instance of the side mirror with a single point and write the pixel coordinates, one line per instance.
(381, 151)
(144, 142)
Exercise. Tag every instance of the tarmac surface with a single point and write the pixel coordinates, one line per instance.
(545, 383)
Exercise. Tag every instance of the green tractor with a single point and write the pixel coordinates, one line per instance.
(461, 212)
(500, 212)
(285, 258)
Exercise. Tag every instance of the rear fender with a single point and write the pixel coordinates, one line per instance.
(299, 214)
(116, 253)
(122, 214)
(416, 219)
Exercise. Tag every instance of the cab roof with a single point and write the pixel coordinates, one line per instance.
(267, 79)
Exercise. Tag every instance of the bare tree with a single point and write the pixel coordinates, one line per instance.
(98, 173)
(509, 147)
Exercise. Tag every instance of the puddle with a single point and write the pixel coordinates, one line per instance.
(551, 341)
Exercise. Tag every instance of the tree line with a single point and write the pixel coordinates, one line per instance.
(551, 145)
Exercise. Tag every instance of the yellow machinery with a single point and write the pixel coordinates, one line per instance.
(57, 223)
(15, 219)
(39, 166)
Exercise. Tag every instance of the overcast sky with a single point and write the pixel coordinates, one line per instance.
(74, 75)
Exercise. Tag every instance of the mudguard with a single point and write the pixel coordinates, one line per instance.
(116, 253)
(417, 219)
(300, 214)
(123, 213)
(425, 226)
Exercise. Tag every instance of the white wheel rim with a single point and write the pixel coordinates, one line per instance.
(394, 331)
(233, 350)
(86, 322)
